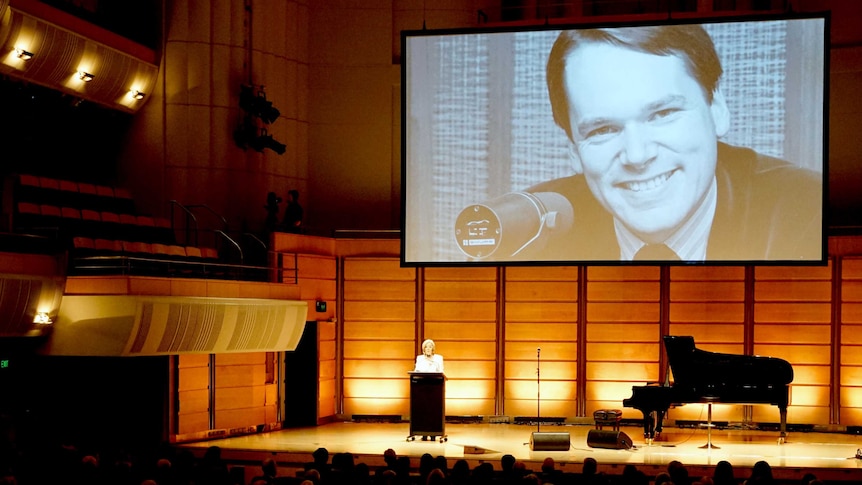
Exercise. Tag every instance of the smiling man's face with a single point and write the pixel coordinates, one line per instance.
(645, 133)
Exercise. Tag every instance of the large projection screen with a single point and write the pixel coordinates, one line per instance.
(652, 147)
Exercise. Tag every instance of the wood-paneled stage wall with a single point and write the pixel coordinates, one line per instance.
(591, 332)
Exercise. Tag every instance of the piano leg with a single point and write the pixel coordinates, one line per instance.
(649, 426)
(659, 418)
(782, 438)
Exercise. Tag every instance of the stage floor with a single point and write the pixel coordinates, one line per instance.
(829, 455)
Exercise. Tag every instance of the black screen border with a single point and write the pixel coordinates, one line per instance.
(825, 16)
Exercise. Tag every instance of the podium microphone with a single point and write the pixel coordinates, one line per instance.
(504, 226)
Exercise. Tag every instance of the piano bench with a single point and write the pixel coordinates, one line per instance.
(608, 417)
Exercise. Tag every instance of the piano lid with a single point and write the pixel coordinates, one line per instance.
(695, 367)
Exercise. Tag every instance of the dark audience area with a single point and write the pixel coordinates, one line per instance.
(47, 462)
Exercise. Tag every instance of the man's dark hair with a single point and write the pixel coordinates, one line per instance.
(691, 43)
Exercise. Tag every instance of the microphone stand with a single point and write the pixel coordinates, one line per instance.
(538, 414)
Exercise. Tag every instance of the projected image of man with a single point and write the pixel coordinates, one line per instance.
(644, 111)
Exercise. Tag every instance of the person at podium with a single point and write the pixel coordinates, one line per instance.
(429, 360)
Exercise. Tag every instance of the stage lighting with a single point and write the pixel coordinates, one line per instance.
(264, 141)
(257, 105)
(85, 76)
(247, 135)
(23, 55)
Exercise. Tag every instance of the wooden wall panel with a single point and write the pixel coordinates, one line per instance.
(486, 273)
(610, 371)
(633, 312)
(460, 315)
(702, 274)
(469, 407)
(528, 408)
(379, 335)
(376, 350)
(358, 290)
(700, 291)
(377, 406)
(457, 351)
(850, 345)
(616, 291)
(541, 334)
(795, 312)
(193, 395)
(542, 291)
(376, 330)
(526, 351)
(538, 332)
(240, 390)
(718, 312)
(708, 304)
(463, 311)
(461, 331)
(541, 312)
(541, 273)
(457, 291)
(623, 352)
(315, 267)
(793, 321)
(377, 269)
(614, 332)
(379, 311)
(327, 405)
(623, 332)
(551, 370)
(713, 336)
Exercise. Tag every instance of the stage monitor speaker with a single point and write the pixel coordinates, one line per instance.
(615, 440)
(550, 441)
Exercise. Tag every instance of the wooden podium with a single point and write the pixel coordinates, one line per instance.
(427, 405)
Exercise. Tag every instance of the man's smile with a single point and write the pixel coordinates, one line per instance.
(646, 185)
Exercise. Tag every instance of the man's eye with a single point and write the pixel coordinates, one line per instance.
(602, 131)
(664, 113)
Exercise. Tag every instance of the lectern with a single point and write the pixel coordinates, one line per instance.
(427, 405)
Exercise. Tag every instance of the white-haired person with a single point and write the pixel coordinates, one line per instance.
(429, 360)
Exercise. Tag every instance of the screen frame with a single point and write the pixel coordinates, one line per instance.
(406, 192)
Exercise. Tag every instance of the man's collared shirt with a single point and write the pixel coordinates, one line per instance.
(689, 242)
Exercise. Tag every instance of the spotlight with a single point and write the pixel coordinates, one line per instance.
(257, 105)
(85, 76)
(245, 133)
(269, 142)
(42, 318)
(136, 94)
(23, 55)
(265, 140)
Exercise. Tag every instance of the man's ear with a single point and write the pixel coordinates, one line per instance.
(575, 159)
(720, 113)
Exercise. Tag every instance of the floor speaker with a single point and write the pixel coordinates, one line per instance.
(615, 440)
(550, 441)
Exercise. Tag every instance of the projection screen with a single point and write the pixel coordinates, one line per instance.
(573, 145)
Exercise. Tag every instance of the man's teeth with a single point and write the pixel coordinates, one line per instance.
(648, 184)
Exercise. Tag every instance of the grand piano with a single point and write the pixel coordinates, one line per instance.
(700, 376)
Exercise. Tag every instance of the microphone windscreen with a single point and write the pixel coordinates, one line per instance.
(506, 225)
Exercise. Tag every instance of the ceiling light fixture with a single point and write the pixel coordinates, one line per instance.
(85, 76)
(136, 94)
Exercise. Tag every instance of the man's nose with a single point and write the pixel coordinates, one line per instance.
(638, 148)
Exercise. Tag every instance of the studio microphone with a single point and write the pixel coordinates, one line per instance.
(506, 225)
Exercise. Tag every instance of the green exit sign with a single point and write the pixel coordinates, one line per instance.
(4, 363)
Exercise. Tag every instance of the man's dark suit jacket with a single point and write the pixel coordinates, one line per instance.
(767, 209)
